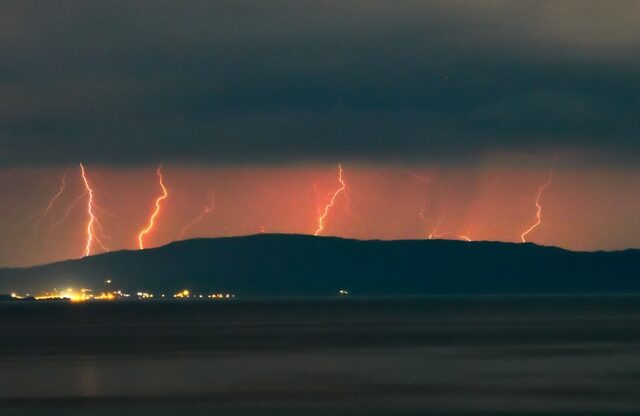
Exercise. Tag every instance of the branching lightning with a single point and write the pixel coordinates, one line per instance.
(538, 209)
(92, 222)
(156, 211)
(205, 211)
(54, 198)
(68, 212)
(327, 208)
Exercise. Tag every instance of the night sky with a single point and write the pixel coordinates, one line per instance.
(445, 116)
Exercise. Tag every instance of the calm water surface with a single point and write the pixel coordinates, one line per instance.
(452, 356)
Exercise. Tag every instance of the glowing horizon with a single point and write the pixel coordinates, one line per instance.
(385, 202)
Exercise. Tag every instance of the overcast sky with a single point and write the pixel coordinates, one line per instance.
(227, 82)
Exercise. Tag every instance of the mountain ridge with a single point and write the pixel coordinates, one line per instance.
(300, 265)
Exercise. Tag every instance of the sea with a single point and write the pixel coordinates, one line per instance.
(552, 355)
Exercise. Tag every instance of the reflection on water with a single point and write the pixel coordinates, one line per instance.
(340, 356)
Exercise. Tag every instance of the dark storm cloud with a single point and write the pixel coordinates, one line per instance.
(257, 81)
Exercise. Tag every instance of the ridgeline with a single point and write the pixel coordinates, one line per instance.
(298, 265)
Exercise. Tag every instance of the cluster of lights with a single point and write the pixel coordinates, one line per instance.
(83, 295)
(144, 295)
(220, 296)
(186, 294)
(80, 295)
(70, 293)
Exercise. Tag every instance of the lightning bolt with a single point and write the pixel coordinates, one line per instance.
(327, 208)
(54, 198)
(538, 209)
(205, 211)
(68, 212)
(92, 221)
(434, 234)
(156, 211)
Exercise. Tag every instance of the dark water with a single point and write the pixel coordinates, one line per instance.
(451, 356)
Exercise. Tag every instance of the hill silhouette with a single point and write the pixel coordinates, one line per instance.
(301, 265)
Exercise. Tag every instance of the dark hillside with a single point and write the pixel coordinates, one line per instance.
(298, 265)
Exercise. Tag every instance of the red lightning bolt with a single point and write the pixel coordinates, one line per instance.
(92, 221)
(156, 211)
(205, 211)
(342, 188)
(538, 209)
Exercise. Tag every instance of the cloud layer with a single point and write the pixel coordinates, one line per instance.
(292, 81)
